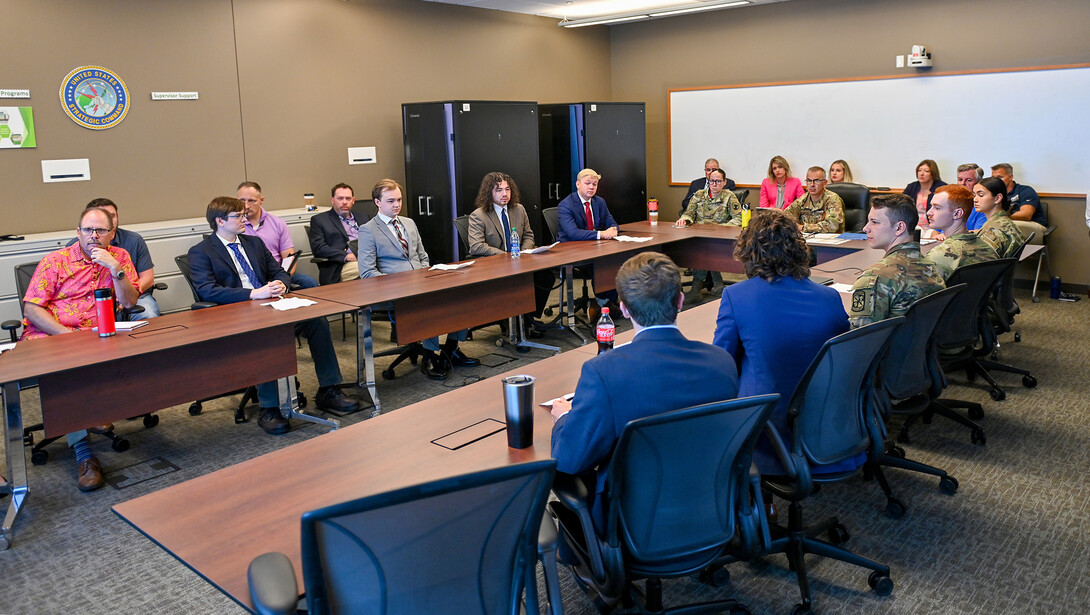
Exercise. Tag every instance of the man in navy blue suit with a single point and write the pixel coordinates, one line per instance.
(627, 383)
(697, 185)
(229, 267)
(583, 216)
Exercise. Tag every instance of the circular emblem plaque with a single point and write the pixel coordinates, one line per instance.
(94, 97)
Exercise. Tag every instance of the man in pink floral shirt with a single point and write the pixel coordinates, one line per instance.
(61, 299)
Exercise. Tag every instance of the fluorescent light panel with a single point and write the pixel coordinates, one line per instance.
(579, 23)
(697, 9)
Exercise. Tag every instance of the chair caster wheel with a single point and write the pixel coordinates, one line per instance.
(120, 445)
(195, 408)
(1029, 382)
(880, 583)
(151, 420)
(1036, 299)
(948, 485)
(802, 609)
(838, 534)
(388, 374)
(4, 543)
(522, 349)
(1018, 336)
(39, 458)
(499, 342)
(548, 311)
(976, 412)
(240, 418)
(896, 451)
(997, 394)
(715, 576)
(895, 509)
(978, 437)
(302, 399)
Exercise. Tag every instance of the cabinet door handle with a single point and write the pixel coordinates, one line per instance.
(420, 205)
(429, 205)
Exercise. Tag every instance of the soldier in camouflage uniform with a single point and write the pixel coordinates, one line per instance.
(715, 205)
(950, 207)
(990, 198)
(818, 211)
(890, 286)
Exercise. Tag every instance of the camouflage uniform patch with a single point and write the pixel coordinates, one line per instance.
(825, 216)
(958, 250)
(1002, 234)
(890, 286)
(725, 209)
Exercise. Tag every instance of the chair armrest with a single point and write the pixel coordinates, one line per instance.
(763, 532)
(273, 589)
(546, 552)
(547, 535)
(573, 508)
(1048, 231)
(160, 286)
(11, 326)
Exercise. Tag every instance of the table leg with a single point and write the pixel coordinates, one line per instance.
(16, 484)
(569, 288)
(365, 356)
(289, 404)
(517, 336)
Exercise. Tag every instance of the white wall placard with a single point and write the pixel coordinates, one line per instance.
(175, 95)
(6, 93)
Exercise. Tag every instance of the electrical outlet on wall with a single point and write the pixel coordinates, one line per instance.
(900, 61)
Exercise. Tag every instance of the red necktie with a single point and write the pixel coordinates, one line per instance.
(590, 217)
(400, 237)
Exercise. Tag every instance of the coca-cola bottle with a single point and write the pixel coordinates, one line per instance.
(603, 331)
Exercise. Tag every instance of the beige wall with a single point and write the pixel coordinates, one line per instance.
(312, 78)
(833, 39)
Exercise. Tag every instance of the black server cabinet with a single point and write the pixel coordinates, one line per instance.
(610, 138)
(449, 147)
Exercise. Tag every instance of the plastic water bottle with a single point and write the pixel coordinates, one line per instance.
(603, 331)
(513, 240)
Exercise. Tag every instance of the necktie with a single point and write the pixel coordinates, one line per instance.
(506, 229)
(590, 216)
(400, 237)
(245, 264)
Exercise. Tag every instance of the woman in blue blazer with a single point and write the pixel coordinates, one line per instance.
(774, 323)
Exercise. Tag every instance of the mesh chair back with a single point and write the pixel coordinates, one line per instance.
(741, 193)
(675, 480)
(959, 326)
(457, 545)
(552, 222)
(828, 403)
(905, 369)
(23, 273)
(183, 265)
(856, 199)
(461, 223)
(1004, 295)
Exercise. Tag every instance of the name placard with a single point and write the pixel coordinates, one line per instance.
(175, 95)
(4, 93)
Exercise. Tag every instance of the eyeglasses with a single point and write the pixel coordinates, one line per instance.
(234, 216)
(717, 181)
(87, 230)
(816, 181)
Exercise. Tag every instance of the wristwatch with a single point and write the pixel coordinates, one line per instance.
(120, 274)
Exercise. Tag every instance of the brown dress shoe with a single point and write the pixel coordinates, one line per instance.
(101, 429)
(90, 475)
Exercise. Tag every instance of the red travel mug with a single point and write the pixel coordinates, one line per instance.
(104, 308)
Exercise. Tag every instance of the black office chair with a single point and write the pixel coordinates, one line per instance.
(464, 544)
(38, 453)
(680, 498)
(826, 417)
(856, 199)
(909, 380)
(741, 193)
(964, 349)
(1002, 306)
(551, 215)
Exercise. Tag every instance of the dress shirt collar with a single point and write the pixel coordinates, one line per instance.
(653, 327)
(499, 209)
(385, 219)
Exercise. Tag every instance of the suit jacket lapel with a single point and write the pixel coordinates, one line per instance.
(220, 250)
(389, 234)
(256, 260)
(337, 224)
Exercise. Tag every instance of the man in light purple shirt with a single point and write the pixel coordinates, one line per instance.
(270, 229)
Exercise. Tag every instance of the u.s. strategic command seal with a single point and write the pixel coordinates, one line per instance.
(94, 97)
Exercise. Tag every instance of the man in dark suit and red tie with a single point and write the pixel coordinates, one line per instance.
(583, 216)
(230, 267)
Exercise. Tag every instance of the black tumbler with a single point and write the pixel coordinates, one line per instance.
(518, 404)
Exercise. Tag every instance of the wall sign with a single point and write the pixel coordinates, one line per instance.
(17, 127)
(94, 97)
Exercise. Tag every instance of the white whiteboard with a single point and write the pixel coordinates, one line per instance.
(1037, 120)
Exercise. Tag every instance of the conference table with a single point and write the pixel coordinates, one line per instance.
(86, 380)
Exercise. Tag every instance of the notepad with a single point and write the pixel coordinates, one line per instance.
(451, 267)
(540, 249)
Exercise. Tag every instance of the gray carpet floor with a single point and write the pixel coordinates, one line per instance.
(1014, 539)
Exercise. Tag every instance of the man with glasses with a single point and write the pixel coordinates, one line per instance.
(968, 175)
(271, 230)
(716, 205)
(710, 165)
(819, 210)
(230, 267)
(61, 299)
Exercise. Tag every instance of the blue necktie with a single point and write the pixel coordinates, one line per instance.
(246, 268)
(506, 229)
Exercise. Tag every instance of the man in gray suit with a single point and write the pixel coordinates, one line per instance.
(390, 244)
(497, 211)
